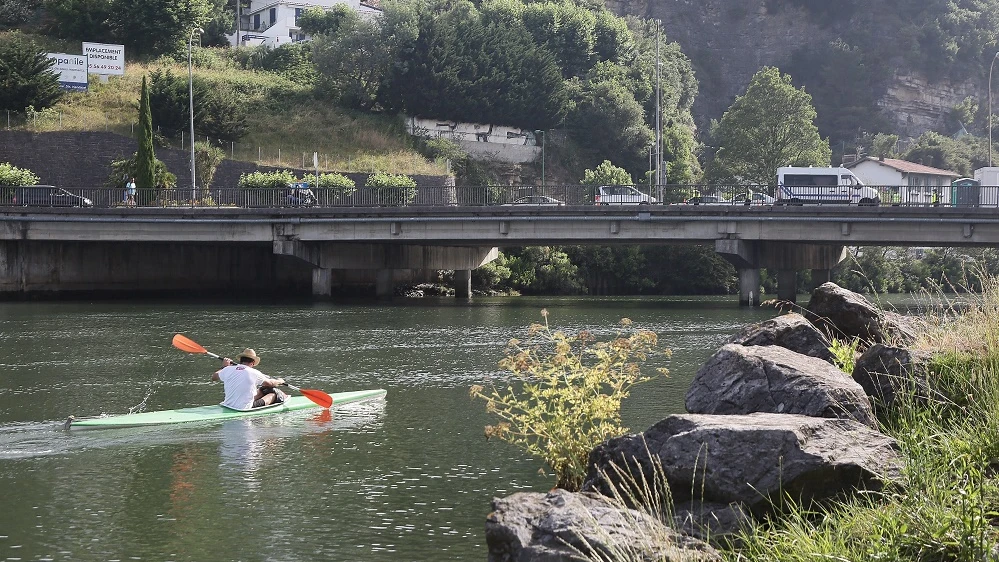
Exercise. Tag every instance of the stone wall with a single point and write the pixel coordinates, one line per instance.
(82, 159)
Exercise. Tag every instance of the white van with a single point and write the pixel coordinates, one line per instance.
(796, 185)
(621, 195)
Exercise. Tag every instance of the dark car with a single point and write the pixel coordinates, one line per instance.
(708, 200)
(541, 200)
(48, 196)
(753, 198)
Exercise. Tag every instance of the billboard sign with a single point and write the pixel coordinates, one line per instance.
(105, 59)
(72, 71)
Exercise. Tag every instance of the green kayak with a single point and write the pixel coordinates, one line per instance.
(217, 412)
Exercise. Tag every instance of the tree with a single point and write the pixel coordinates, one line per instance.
(317, 21)
(84, 20)
(207, 158)
(15, 12)
(26, 76)
(607, 174)
(154, 27)
(145, 158)
(771, 125)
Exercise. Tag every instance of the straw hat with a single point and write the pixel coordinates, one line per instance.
(249, 354)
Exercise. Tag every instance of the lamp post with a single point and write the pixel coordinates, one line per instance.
(991, 66)
(190, 93)
(542, 134)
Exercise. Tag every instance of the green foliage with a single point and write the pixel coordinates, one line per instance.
(207, 158)
(145, 158)
(84, 20)
(333, 187)
(884, 146)
(26, 75)
(219, 111)
(392, 189)
(962, 155)
(543, 270)
(12, 176)
(15, 12)
(493, 276)
(122, 170)
(291, 60)
(607, 174)
(770, 126)
(845, 354)
(317, 21)
(566, 394)
(154, 27)
(613, 122)
(612, 269)
(266, 180)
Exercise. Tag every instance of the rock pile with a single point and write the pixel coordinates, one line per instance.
(770, 419)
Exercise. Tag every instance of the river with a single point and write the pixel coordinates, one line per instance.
(407, 478)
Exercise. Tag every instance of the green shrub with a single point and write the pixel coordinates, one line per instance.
(12, 176)
(121, 170)
(566, 394)
(392, 189)
(266, 180)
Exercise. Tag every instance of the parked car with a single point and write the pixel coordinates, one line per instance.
(621, 195)
(48, 196)
(754, 198)
(708, 200)
(538, 200)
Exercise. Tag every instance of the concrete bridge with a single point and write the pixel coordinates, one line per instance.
(310, 251)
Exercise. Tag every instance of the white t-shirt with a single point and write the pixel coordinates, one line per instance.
(241, 382)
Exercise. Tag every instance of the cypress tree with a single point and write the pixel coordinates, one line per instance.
(145, 159)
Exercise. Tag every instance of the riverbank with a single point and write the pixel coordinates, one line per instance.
(895, 462)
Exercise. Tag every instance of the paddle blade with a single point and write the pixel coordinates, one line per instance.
(187, 344)
(317, 396)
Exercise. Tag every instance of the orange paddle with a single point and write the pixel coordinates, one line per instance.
(184, 343)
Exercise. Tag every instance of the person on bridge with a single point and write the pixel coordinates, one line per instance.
(130, 193)
(245, 386)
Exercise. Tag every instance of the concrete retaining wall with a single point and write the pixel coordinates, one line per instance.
(83, 160)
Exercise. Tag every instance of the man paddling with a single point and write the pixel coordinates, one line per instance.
(246, 387)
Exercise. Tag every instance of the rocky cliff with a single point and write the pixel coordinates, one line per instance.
(729, 40)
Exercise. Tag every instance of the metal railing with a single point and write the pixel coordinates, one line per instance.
(513, 196)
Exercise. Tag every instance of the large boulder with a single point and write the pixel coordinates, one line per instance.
(884, 371)
(846, 315)
(559, 525)
(792, 331)
(744, 380)
(753, 459)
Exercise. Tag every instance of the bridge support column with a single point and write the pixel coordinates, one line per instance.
(787, 285)
(749, 287)
(322, 282)
(820, 276)
(463, 283)
(384, 284)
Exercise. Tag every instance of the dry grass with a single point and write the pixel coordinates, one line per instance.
(966, 322)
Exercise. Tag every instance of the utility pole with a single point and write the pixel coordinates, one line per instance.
(659, 123)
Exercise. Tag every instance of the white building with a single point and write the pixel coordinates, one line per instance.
(911, 182)
(275, 22)
(496, 142)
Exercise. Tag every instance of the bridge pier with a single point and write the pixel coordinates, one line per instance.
(786, 258)
(384, 284)
(749, 286)
(463, 283)
(322, 282)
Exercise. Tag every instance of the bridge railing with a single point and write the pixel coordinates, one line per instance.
(524, 196)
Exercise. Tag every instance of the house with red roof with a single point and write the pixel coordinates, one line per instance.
(905, 182)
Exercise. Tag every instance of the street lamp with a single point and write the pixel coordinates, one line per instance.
(991, 66)
(190, 93)
(542, 134)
